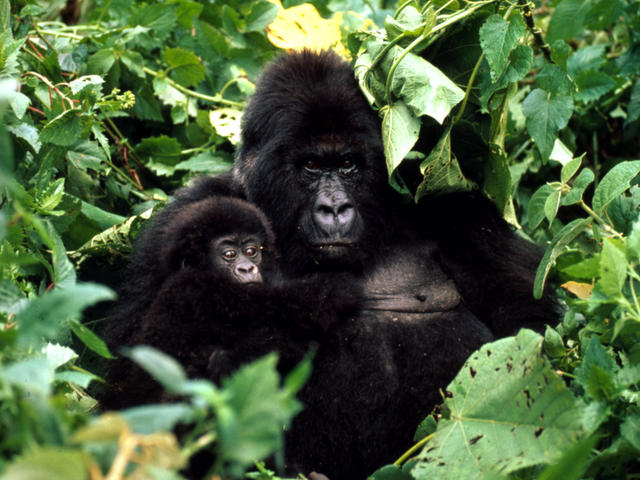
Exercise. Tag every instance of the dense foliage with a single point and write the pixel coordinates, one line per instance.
(107, 106)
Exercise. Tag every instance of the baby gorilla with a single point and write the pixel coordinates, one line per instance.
(222, 301)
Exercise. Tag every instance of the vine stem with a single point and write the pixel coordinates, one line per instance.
(191, 93)
(412, 450)
(599, 219)
(449, 21)
(472, 79)
(527, 13)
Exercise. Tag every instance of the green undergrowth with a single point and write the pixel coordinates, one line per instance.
(106, 107)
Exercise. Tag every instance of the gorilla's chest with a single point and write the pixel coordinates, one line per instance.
(409, 280)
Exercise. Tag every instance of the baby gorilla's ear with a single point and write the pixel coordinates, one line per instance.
(188, 251)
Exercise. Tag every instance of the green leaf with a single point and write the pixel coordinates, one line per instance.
(207, 162)
(546, 115)
(251, 425)
(586, 59)
(553, 345)
(44, 315)
(162, 153)
(408, 22)
(64, 273)
(508, 410)
(81, 379)
(613, 269)
(551, 205)
(554, 80)
(497, 179)
(573, 463)
(587, 269)
(568, 19)
(49, 463)
(519, 64)
(570, 169)
(565, 236)
(537, 202)
(560, 52)
(421, 86)
(440, 170)
(593, 85)
(160, 366)
(614, 183)
(87, 81)
(49, 198)
(390, 472)
(498, 38)
(5, 15)
(87, 155)
(630, 430)
(633, 109)
(580, 184)
(19, 103)
(148, 419)
(65, 129)
(633, 240)
(184, 66)
(57, 355)
(33, 375)
(261, 15)
(400, 130)
(101, 62)
(135, 63)
(90, 339)
(597, 372)
(28, 133)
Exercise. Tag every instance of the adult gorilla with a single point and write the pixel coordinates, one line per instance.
(439, 279)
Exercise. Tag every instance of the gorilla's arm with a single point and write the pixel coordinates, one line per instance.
(493, 267)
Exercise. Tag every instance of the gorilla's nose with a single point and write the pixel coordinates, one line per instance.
(334, 212)
(247, 273)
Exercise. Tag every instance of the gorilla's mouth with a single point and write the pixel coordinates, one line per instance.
(333, 245)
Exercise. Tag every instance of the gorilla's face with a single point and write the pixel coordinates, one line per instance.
(312, 160)
(326, 200)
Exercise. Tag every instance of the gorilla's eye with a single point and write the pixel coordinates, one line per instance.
(347, 165)
(229, 254)
(250, 251)
(311, 165)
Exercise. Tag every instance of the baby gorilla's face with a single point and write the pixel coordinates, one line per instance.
(238, 257)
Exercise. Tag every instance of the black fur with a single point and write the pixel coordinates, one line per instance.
(438, 279)
(212, 324)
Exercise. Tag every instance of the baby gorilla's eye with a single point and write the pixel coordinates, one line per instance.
(229, 254)
(250, 251)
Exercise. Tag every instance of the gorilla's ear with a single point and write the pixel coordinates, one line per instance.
(185, 251)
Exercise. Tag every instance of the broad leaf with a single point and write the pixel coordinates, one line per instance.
(546, 115)
(565, 236)
(508, 410)
(440, 170)
(614, 183)
(184, 66)
(160, 366)
(44, 315)
(568, 19)
(49, 463)
(90, 339)
(580, 184)
(400, 130)
(422, 86)
(537, 202)
(498, 38)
